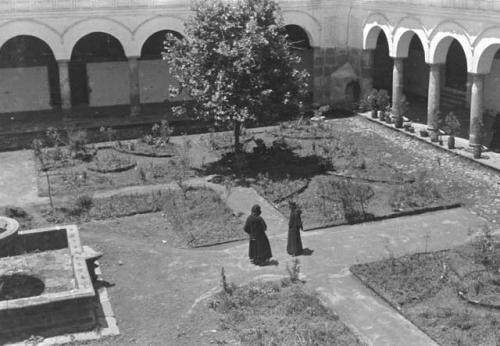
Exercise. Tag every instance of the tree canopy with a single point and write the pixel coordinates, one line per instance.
(235, 62)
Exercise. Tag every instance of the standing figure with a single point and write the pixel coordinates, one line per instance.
(259, 249)
(294, 246)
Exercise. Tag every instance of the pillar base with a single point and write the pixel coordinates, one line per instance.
(135, 111)
(433, 134)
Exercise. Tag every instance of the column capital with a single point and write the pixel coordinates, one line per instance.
(133, 57)
(398, 58)
(63, 61)
(435, 64)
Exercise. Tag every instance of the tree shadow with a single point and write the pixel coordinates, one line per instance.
(276, 162)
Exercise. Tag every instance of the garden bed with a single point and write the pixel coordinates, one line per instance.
(451, 295)
(194, 217)
(269, 313)
(110, 170)
(143, 149)
(335, 181)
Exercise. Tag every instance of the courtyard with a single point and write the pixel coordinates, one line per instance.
(167, 304)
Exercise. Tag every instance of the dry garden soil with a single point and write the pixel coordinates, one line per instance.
(452, 295)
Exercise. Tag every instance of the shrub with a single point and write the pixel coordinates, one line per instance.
(82, 204)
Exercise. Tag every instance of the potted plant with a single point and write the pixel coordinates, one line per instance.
(451, 127)
(423, 133)
(382, 101)
(371, 101)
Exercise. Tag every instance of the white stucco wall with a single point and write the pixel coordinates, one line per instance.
(154, 80)
(24, 89)
(108, 83)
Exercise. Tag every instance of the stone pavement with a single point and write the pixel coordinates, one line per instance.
(488, 159)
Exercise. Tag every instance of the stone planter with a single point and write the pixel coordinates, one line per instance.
(8, 234)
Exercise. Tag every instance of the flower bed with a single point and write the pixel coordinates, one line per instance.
(196, 217)
(451, 295)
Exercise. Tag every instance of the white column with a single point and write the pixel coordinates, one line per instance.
(433, 100)
(135, 100)
(476, 109)
(397, 90)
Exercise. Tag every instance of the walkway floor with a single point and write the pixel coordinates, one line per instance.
(488, 159)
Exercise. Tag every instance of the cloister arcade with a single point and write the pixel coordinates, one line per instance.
(97, 62)
(450, 68)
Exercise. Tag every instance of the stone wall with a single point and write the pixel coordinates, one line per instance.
(326, 62)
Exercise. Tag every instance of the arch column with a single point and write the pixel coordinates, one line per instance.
(433, 100)
(135, 99)
(367, 65)
(64, 86)
(397, 90)
(476, 109)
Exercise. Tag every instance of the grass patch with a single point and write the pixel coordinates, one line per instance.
(198, 217)
(277, 313)
(452, 295)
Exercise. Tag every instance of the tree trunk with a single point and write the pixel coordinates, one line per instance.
(237, 130)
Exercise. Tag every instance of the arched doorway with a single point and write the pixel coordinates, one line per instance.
(98, 71)
(454, 87)
(416, 81)
(300, 45)
(29, 74)
(382, 64)
(154, 75)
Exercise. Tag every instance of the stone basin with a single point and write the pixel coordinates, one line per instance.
(8, 232)
(59, 296)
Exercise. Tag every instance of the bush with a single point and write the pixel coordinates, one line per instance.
(82, 204)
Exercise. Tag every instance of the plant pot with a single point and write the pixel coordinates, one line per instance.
(398, 122)
(374, 113)
(381, 115)
(411, 129)
(434, 136)
(440, 141)
(424, 133)
(451, 142)
(477, 151)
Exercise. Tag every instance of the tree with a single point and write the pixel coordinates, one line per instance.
(235, 63)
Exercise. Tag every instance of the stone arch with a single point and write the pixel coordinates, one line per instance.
(485, 47)
(108, 26)
(308, 23)
(403, 34)
(375, 23)
(33, 28)
(441, 38)
(153, 25)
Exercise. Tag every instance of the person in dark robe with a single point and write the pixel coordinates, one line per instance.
(495, 140)
(294, 245)
(259, 249)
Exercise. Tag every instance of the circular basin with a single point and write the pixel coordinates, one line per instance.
(8, 231)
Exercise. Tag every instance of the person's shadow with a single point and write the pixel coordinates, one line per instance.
(272, 262)
(307, 252)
